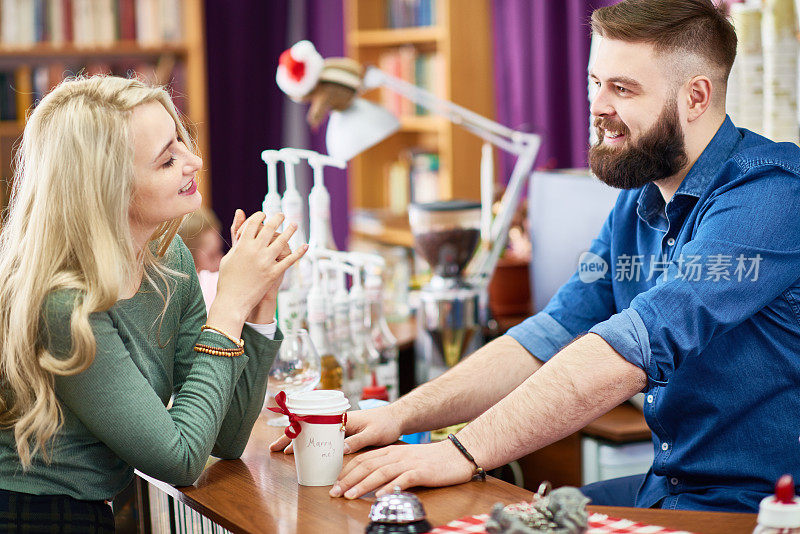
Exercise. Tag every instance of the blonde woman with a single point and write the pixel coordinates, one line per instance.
(101, 316)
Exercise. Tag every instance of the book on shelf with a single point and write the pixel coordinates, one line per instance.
(410, 13)
(157, 22)
(46, 76)
(413, 177)
(406, 59)
(127, 20)
(424, 70)
(399, 191)
(424, 177)
(89, 23)
(8, 102)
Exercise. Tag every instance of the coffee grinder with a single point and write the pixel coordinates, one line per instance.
(446, 234)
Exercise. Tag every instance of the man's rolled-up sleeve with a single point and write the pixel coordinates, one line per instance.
(583, 301)
(749, 253)
(541, 335)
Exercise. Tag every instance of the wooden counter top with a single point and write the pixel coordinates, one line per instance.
(259, 493)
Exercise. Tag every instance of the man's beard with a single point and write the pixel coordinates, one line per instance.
(658, 154)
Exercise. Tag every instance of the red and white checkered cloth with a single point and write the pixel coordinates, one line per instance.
(598, 524)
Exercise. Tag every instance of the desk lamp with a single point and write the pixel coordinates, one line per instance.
(356, 124)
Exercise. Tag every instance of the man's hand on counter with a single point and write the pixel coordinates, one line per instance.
(375, 427)
(584, 380)
(431, 465)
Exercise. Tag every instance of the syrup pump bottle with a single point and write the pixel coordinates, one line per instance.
(292, 202)
(359, 318)
(359, 326)
(292, 294)
(380, 334)
(320, 232)
(331, 375)
(353, 369)
(780, 513)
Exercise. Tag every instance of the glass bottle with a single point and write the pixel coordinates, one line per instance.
(381, 337)
(331, 374)
(296, 368)
(353, 378)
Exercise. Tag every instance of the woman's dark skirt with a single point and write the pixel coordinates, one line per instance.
(57, 514)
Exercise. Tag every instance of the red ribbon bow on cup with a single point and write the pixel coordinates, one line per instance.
(293, 430)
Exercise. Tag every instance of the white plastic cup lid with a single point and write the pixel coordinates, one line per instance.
(318, 402)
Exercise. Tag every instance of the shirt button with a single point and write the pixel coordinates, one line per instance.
(664, 446)
(670, 241)
(649, 399)
(673, 481)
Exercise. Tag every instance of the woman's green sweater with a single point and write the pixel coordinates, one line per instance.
(115, 415)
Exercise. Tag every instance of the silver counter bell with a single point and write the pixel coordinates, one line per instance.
(398, 512)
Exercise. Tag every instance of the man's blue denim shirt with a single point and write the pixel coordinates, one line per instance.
(703, 294)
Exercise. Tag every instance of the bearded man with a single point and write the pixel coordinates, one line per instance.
(699, 307)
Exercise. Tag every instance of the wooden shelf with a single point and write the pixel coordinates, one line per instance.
(117, 50)
(397, 36)
(10, 128)
(423, 123)
(382, 226)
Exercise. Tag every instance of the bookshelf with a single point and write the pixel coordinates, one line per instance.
(456, 36)
(42, 41)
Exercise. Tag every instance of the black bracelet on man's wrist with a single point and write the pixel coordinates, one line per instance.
(479, 472)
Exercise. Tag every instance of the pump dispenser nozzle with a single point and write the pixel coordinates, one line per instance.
(272, 201)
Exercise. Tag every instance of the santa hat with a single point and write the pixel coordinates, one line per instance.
(299, 69)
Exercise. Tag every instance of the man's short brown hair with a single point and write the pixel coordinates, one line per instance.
(693, 26)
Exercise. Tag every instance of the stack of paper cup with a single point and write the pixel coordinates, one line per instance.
(781, 52)
(319, 448)
(745, 92)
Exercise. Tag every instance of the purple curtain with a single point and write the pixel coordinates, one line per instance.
(541, 52)
(325, 25)
(243, 42)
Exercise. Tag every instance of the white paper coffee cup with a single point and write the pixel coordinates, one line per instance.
(319, 448)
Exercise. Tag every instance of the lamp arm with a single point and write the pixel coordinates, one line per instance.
(502, 136)
(482, 265)
(524, 145)
(508, 202)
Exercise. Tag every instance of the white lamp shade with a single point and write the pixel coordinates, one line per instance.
(357, 128)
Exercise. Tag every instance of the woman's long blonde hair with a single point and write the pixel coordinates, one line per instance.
(67, 228)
